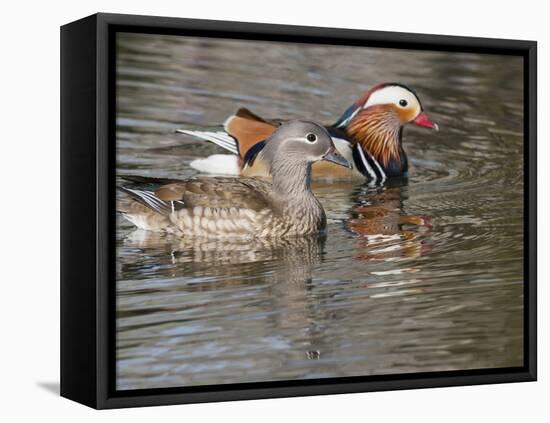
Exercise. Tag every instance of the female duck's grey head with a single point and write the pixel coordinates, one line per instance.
(301, 142)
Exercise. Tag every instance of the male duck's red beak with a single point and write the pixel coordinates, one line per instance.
(423, 120)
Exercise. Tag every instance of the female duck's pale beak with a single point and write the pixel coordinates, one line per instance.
(423, 120)
(333, 156)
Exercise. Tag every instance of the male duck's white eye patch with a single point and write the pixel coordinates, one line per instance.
(311, 137)
(393, 94)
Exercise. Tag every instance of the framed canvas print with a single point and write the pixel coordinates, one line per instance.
(254, 211)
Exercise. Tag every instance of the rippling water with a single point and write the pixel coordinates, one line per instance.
(420, 275)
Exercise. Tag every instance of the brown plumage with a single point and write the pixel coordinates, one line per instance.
(376, 129)
(244, 207)
(249, 129)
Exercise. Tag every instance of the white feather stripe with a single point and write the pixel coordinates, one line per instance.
(379, 167)
(213, 137)
(220, 138)
(150, 199)
(370, 171)
(225, 140)
(348, 119)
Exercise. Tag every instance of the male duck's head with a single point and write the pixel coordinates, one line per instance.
(377, 118)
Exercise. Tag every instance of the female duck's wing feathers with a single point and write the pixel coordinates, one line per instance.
(218, 192)
(149, 182)
(211, 193)
(150, 201)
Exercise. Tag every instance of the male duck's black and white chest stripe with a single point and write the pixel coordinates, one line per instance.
(373, 170)
(368, 165)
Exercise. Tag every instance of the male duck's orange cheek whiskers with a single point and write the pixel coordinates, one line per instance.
(378, 136)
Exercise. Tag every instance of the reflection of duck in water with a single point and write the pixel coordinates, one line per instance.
(244, 207)
(368, 135)
(388, 233)
(280, 270)
(234, 259)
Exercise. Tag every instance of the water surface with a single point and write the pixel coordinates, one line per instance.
(423, 274)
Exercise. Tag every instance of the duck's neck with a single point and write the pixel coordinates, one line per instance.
(293, 199)
(379, 133)
(291, 180)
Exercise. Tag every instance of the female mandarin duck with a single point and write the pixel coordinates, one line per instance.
(244, 207)
(368, 135)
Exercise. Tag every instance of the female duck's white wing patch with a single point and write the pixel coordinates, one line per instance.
(221, 138)
(220, 164)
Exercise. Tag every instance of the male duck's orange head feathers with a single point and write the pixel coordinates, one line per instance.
(376, 119)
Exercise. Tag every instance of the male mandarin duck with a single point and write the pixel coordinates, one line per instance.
(244, 207)
(369, 135)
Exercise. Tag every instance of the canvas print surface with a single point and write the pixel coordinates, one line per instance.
(409, 260)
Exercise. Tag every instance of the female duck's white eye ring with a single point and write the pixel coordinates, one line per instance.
(311, 137)
(403, 103)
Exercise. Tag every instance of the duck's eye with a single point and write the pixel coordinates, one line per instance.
(403, 103)
(311, 137)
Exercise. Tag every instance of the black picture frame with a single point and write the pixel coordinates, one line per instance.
(87, 199)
